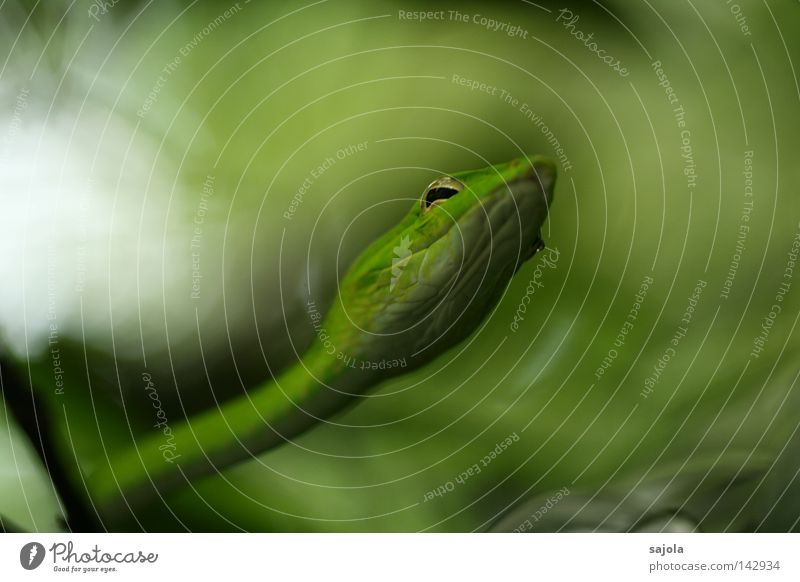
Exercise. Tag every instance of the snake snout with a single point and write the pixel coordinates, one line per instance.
(544, 174)
(532, 191)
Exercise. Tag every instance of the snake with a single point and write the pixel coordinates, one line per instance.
(417, 291)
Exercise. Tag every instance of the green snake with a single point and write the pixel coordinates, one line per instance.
(419, 289)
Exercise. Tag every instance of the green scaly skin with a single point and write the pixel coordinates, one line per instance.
(464, 250)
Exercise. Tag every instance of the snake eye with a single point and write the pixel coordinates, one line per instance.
(440, 190)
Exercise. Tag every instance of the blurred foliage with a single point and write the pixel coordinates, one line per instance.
(29, 501)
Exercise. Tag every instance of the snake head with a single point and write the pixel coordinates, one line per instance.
(426, 284)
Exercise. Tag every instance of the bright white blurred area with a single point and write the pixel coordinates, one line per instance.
(71, 223)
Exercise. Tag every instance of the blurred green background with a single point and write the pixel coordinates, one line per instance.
(115, 117)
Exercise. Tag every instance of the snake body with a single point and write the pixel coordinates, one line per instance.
(418, 290)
